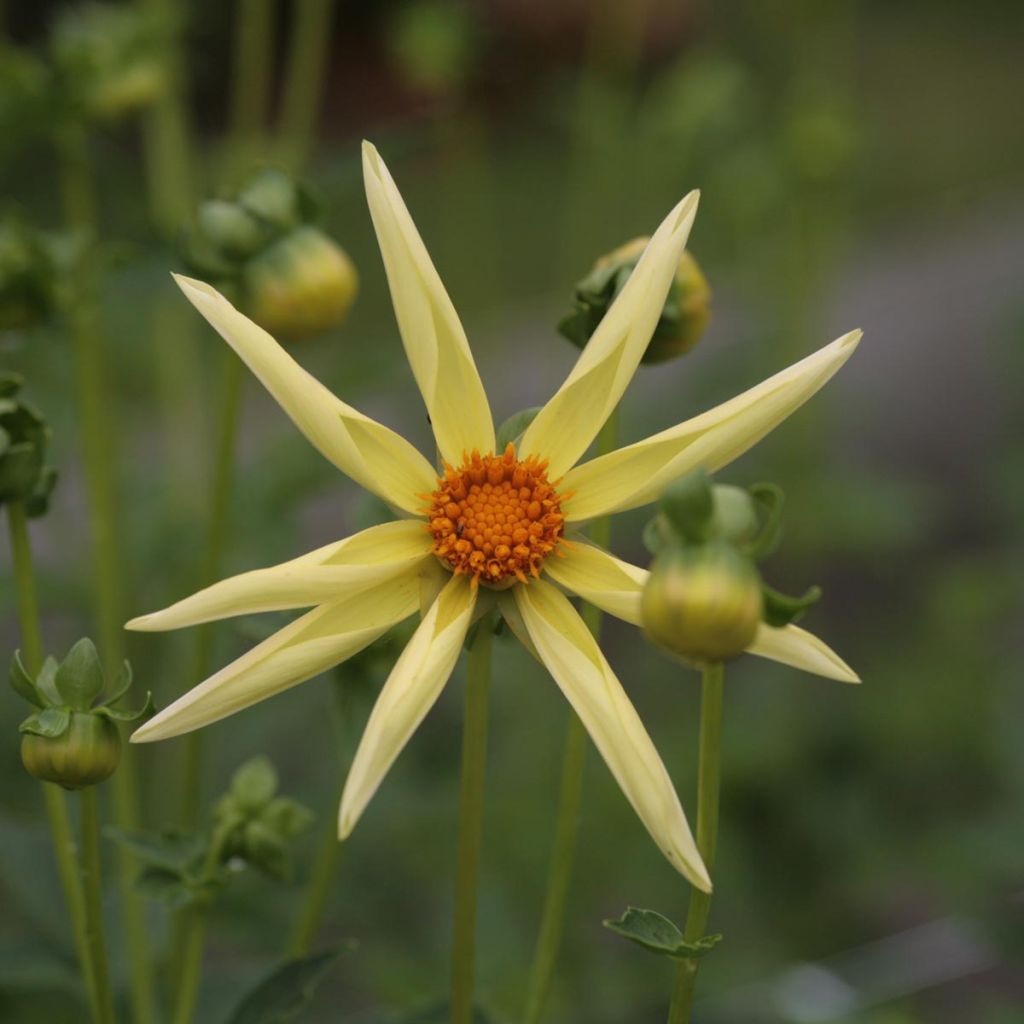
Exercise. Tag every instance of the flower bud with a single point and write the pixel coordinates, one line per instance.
(684, 316)
(27, 276)
(24, 436)
(703, 603)
(300, 286)
(86, 753)
(108, 57)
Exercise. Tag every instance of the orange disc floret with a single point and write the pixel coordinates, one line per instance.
(495, 516)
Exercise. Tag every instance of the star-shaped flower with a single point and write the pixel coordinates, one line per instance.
(489, 530)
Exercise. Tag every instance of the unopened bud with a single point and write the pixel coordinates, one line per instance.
(24, 436)
(87, 752)
(302, 285)
(703, 603)
(684, 316)
(109, 59)
(27, 276)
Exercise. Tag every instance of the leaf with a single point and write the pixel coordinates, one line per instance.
(781, 609)
(80, 676)
(657, 934)
(286, 991)
(515, 426)
(123, 714)
(21, 682)
(170, 850)
(123, 684)
(255, 783)
(46, 682)
(50, 722)
(166, 886)
(771, 499)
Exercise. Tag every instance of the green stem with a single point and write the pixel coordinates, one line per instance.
(307, 61)
(229, 407)
(104, 1011)
(325, 867)
(471, 820)
(570, 799)
(708, 785)
(62, 835)
(193, 943)
(94, 411)
(250, 87)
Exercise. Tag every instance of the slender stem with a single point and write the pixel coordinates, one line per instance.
(325, 867)
(62, 835)
(193, 943)
(233, 378)
(570, 799)
(304, 73)
(708, 785)
(471, 820)
(250, 87)
(94, 907)
(94, 411)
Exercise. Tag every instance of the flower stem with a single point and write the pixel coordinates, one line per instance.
(250, 86)
(193, 943)
(471, 820)
(229, 407)
(104, 1009)
(61, 833)
(570, 799)
(708, 784)
(94, 407)
(304, 73)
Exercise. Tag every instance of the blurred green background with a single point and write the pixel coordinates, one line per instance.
(860, 165)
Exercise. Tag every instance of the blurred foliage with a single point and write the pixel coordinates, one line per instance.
(858, 167)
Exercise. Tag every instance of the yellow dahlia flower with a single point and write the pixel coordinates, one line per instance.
(492, 529)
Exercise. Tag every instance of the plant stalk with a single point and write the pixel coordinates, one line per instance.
(99, 452)
(570, 800)
(250, 86)
(62, 835)
(91, 875)
(708, 786)
(304, 78)
(471, 821)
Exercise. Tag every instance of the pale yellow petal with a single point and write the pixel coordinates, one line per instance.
(434, 340)
(311, 644)
(575, 661)
(638, 473)
(412, 688)
(797, 648)
(611, 584)
(339, 570)
(375, 457)
(563, 430)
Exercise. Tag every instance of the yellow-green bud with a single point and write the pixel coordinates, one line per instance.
(109, 59)
(301, 285)
(703, 603)
(86, 753)
(684, 316)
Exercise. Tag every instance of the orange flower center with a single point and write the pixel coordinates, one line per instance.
(495, 517)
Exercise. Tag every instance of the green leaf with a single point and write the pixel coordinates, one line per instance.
(287, 817)
(172, 851)
(46, 682)
(658, 934)
(515, 426)
(781, 609)
(287, 991)
(166, 886)
(687, 505)
(80, 675)
(50, 722)
(21, 682)
(770, 500)
(255, 783)
(265, 849)
(123, 684)
(123, 714)
(658, 535)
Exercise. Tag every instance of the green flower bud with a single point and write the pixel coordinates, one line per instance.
(684, 316)
(24, 436)
(703, 603)
(27, 276)
(109, 59)
(433, 42)
(86, 753)
(302, 285)
(71, 737)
